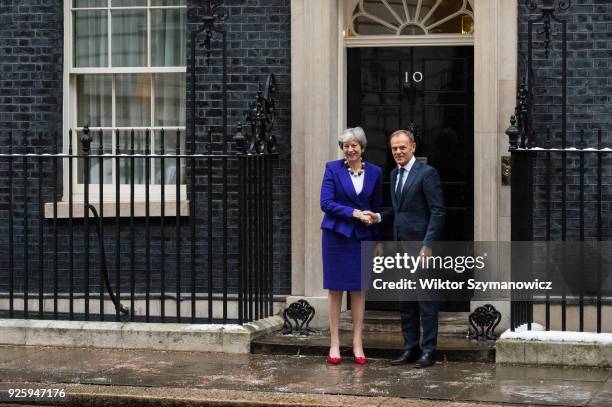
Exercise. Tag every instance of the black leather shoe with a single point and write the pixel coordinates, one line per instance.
(407, 356)
(426, 360)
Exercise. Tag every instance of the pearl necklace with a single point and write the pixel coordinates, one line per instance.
(353, 173)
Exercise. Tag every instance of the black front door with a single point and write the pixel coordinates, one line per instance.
(430, 89)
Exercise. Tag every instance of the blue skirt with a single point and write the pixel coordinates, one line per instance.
(341, 262)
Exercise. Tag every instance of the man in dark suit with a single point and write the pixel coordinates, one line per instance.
(418, 216)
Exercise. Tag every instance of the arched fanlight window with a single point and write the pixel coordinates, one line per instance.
(412, 17)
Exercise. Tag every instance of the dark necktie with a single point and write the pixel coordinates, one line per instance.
(398, 187)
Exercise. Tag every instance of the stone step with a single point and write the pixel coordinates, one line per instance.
(449, 323)
(377, 345)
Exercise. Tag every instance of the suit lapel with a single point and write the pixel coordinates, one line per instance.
(347, 184)
(410, 180)
(393, 179)
(368, 181)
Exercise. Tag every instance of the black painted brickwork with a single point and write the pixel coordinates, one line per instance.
(589, 68)
(31, 41)
(31, 47)
(258, 34)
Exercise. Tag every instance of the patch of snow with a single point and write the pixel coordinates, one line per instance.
(100, 379)
(558, 336)
(534, 327)
(211, 327)
(377, 391)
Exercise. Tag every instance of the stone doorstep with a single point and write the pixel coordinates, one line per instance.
(228, 338)
(449, 323)
(382, 339)
(376, 345)
(559, 353)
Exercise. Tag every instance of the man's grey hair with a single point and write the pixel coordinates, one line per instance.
(406, 133)
(355, 133)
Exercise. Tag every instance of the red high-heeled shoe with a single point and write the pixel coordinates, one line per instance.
(361, 360)
(334, 361)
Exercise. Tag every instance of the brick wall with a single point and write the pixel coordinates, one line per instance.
(258, 34)
(31, 46)
(589, 93)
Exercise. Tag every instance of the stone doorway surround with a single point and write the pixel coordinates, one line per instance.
(317, 115)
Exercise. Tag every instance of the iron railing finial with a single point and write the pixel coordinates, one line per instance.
(86, 139)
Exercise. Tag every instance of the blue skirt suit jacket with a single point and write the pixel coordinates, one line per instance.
(342, 233)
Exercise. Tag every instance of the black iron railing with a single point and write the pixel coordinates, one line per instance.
(58, 265)
(558, 172)
(220, 251)
(549, 184)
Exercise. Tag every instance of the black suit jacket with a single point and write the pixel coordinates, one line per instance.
(419, 213)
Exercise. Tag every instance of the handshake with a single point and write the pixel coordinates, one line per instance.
(366, 217)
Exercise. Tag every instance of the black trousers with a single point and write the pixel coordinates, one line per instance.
(415, 313)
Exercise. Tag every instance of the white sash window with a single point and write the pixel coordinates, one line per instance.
(125, 68)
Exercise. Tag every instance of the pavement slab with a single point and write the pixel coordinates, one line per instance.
(530, 392)
(72, 365)
(309, 376)
(108, 396)
(603, 397)
(10, 353)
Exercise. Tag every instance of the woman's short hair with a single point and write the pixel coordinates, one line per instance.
(355, 133)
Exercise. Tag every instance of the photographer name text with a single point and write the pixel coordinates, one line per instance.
(470, 284)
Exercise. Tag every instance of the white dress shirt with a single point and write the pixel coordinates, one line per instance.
(407, 167)
(358, 182)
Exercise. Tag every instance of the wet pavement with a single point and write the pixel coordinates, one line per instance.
(451, 348)
(296, 379)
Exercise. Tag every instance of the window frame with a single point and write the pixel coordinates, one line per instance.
(69, 116)
(351, 39)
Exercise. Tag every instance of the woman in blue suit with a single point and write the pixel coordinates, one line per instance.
(350, 186)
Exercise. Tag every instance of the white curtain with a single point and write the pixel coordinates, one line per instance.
(169, 99)
(139, 163)
(133, 100)
(90, 3)
(94, 93)
(168, 37)
(128, 38)
(90, 39)
(169, 143)
(94, 162)
(125, 3)
(133, 109)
